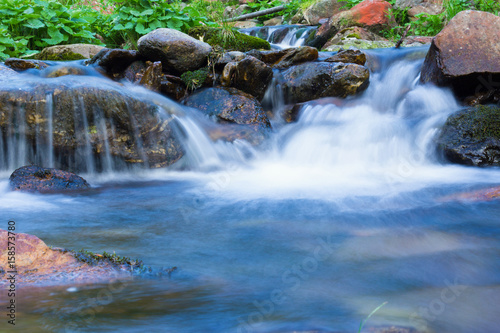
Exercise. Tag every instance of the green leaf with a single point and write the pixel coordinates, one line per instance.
(155, 25)
(147, 12)
(34, 24)
(174, 23)
(139, 28)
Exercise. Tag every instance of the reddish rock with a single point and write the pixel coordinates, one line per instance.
(373, 15)
(465, 54)
(36, 179)
(486, 194)
(38, 264)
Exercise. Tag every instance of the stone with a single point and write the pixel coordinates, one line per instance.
(348, 57)
(63, 70)
(295, 56)
(472, 137)
(314, 80)
(69, 52)
(177, 51)
(229, 105)
(152, 76)
(114, 61)
(359, 44)
(465, 55)
(22, 64)
(373, 15)
(229, 41)
(249, 75)
(37, 179)
(487, 194)
(172, 87)
(323, 9)
(6, 73)
(274, 21)
(135, 71)
(353, 33)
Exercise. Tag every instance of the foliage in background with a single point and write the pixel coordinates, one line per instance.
(30, 25)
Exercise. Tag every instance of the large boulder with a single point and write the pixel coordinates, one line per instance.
(229, 105)
(177, 51)
(37, 179)
(249, 75)
(69, 52)
(466, 54)
(79, 119)
(323, 9)
(472, 137)
(314, 80)
(229, 40)
(373, 15)
(37, 264)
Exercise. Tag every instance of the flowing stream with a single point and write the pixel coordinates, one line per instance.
(332, 216)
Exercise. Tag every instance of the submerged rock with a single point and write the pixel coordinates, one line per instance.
(314, 80)
(6, 72)
(23, 64)
(229, 105)
(86, 120)
(472, 137)
(465, 54)
(177, 51)
(486, 194)
(38, 264)
(36, 179)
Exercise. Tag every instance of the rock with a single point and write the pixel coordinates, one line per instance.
(310, 81)
(348, 57)
(409, 4)
(6, 73)
(295, 56)
(298, 18)
(172, 87)
(245, 24)
(249, 75)
(152, 76)
(326, 31)
(230, 132)
(323, 9)
(114, 61)
(465, 54)
(472, 137)
(416, 41)
(486, 194)
(430, 10)
(63, 70)
(229, 105)
(373, 15)
(353, 33)
(135, 71)
(22, 64)
(278, 20)
(69, 52)
(359, 44)
(232, 56)
(177, 51)
(228, 40)
(39, 265)
(92, 118)
(36, 179)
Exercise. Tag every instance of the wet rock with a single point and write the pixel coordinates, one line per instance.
(92, 118)
(249, 75)
(6, 73)
(472, 137)
(486, 194)
(326, 31)
(323, 9)
(359, 44)
(172, 87)
(348, 57)
(310, 81)
(152, 76)
(63, 70)
(22, 64)
(233, 56)
(177, 51)
(37, 179)
(69, 52)
(373, 15)
(229, 105)
(37, 264)
(293, 56)
(465, 54)
(353, 33)
(114, 60)
(135, 71)
(229, 132)
(229, 40)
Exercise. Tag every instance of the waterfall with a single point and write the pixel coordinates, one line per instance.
(282, 37)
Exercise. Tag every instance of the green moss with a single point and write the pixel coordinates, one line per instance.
(112, 258)
(479, 123)
(195, 79)
(66, 56)
(229, 39)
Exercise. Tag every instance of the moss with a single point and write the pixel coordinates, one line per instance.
(479, 123)
(229, 39)
(195, 79)
(65, 56)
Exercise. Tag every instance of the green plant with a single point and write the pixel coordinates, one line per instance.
(195, 79)
(371, 314)
(492, 6)
(30, 25)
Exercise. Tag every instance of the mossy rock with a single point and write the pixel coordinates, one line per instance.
(230, 40)
(472, 136)
(69, 52)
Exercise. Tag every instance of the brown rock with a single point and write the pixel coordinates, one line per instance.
(36, 179)
(152, 76)
(37, 264)
(295, 56)
(349, 57)
(22, 64)
(323, 9)
(69, 52)
(466, 54)
(135, 71)
(172, 87)
(114, 60)
(486, 194)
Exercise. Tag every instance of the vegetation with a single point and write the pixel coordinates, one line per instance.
(28, 26)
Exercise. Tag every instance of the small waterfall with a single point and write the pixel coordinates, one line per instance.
(50, 130)
(282, 37)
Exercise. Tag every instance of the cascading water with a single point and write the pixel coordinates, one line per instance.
(283, 36)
